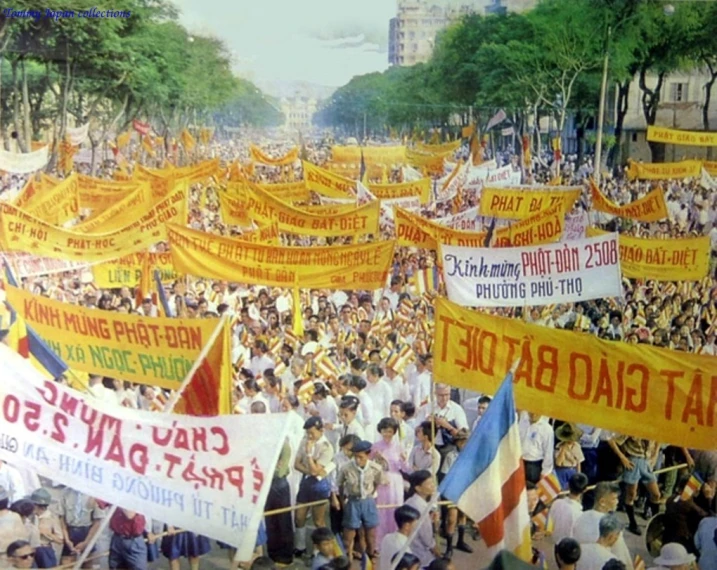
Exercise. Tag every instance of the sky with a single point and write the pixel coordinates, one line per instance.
(324, 42)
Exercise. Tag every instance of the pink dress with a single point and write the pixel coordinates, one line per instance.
(391, 492)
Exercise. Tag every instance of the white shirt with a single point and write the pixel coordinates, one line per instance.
(424, 540)
(399, 388)
(539, 444)
(381, 396)
(452, 412)
(11, 481)
(564, 512)
(261, 363)
(593, 557)
(390, 546)
(103, 394)
(587, 530)
(423, 389)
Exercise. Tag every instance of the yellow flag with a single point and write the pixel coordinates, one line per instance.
(187, 140)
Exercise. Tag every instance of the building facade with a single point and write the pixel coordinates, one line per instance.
(298, 112)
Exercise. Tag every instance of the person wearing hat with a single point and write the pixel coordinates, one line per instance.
(568, 453)
(314, 460)
(48, 524)
(455, 518)
(11, 527)
(358, 483)
(674, 556)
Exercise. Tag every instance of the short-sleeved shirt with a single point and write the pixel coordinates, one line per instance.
(78, 509)
(635, 447)
(359, 483)
(322, 453)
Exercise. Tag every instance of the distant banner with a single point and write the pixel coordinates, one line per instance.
(26, 265)
(126, 271)
(265, 209)
(575, 227)
(20, 232)
(288, 191)
(57, 205)
(517, 204)
(684, 259)
(414, 230)
(24, 163)
(233, 210)
(536, 275)
(327, 183)
(678, 137)
(710, 167)
(467, 220)
(193, 173)
(364, 266)
(431, 162)
(420, 188)
(120, 214)
(477, 175)
(636, 390)
(388, 155)
(504, 176)
(664, 171)
(650, 208)
(192, 472)
(439, 148)
(156, 351)
(98, 195)
(257, 155)
(77, 135)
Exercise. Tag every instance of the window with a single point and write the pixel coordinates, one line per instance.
(634, 137)
(678, 92)
(411, 35)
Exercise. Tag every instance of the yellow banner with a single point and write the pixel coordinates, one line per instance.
(544, 227)
(686, 259)
(98, 195)
(371, 154)
(352, 171)
(420, 188)
(265, 209)
(57, 205)
(155, 351)
(126, 271)
(448, 147)
(676, 136)
(710, 166)
(187, 140)
(267, 235)
(520, 204)
(20, 232)
(665, 170)
(327, 183)
(233, 210)
(650, 208)
(257, 155)
(636, 390)
(120, 214)
(364, 266)
(194, 173)
(286, 192)
(329, 209)
(432, 161)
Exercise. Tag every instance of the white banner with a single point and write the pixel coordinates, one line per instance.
(410, 174)
(363, 194)
(19, 163)
(78, 135)
(496, 119)
(476, 175)
(538, 275)
(575, 226)
(507, 132)
(26, 265)
(503, 176)
(207, 475)
(706, 181)
(466, 221)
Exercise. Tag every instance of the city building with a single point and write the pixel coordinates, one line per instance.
(298, 112)
(412, 33)
(682, 99)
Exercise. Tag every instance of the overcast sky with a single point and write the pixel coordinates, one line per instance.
(321, 41)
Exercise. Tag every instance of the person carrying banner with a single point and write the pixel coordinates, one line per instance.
(80, 516)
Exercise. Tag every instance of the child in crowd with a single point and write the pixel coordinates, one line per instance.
(324, 547)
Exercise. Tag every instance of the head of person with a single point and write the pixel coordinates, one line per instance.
(373, 373)
(251, 388)
(422, 484)
(24, 507)
(567, 552)
(609, 530)
(290, 403)
(41, 500)
(675, 557)
(406, 517)
(361, 451)
(397, 410)
(314, 428)
(340, 563)
(443, 395)
(607, 496)
(408, 562)
(578, 483)
(263, 563)
(483, 403)
(424, 432)
(347, 442)
(257, 408)
(323, 541)
(387, 427)
(441, 564)
(348, 407)
(614, 564)
(20, 554)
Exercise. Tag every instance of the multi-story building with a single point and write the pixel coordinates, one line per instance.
(412, 33)
(298, 112)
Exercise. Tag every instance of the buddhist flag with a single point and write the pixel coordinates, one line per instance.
(187, 140)
(692, 486)
(208, 393)
(147, 145)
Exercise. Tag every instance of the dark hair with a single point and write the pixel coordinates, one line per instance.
(23, 507)
(614, 564)
(358, 382)
(15, 546)
(293, 401)
(351, 438)
(321, 534)
(567, 551)
(427, 430)
(340, 563)
(375, 369)
(263, 563)
(387, 423)
(398, 403)
(485, 400)
(405, 514)
(261, 345)
(604, 488)
(251, 384)
(4, 504)
(439, 564)
(358, 364)
(312, 335)
(407, 561)
(578, 483)
(351, 403)
(418, 478)
(408, 408)
(288, 348)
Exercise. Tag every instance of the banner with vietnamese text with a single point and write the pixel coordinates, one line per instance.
(327, 183)
(650, 208)
(517, 204)
(420, 188)
(676, 136)
(664, 170)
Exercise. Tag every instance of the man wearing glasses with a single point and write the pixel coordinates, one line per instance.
(20, 554)
(448, 416)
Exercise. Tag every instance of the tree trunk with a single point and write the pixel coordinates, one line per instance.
(64, 101)
(26, 107)
(650, 103)
(3, 140)
(16, 110)
(93, 155)
(706, 108)
(614, 156)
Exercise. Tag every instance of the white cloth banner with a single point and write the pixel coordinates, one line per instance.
(706, 181)
(26, 265)
(207, 475)
(575, 227)
(19, 163)
(466, 221)
(537, 275)
(410, 174)
(476, 175)
(503, 176)
(507, 132)
(78, 135)
(363, 194)
(496, 119)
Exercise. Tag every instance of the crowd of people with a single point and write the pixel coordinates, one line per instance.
(373, 430)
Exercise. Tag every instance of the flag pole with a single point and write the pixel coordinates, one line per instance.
(397, 557)
(169, 407)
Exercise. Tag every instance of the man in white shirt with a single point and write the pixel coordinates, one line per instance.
(379, 392)
(593, 556)
(100, 392)
(11, 481)
(538, 443)
(449, 416)
(261, 361)
(565, 511)
(405, 517)
(422, 389)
